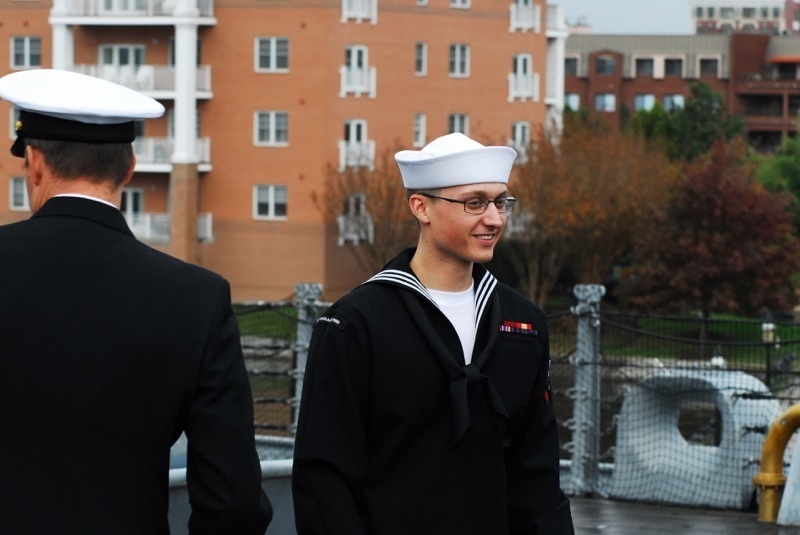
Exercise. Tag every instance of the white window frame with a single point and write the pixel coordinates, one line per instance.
(420, 130)
(521, 136)
(421, 58)
(644, 101)
(27, 53)
(16, 187)
(272, 191)
(460, 4)
(523, 83)
(458, 122)
(608, 100)
(671, 97)
(569, 98)
(459, 60)
(272, 118)
(274, 54)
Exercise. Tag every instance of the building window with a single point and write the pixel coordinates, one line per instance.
(458, 122)
(26, 52)
(272, 128)
(726, 13)
(748, 12)
(710, 12)
(422, 2)
(572, 101)
(606, 102)
(764, 12)
(644, 102)
(605, 65)
(644, 66)
(459, 61)
(709, 67)
(272, 54)
(673, 102)
(269, 202)
(18, 194)
(421, 59)
(460, 4)
(776, 12)
(521, 138)
(571, 66)
(673, 67)
(420, 129)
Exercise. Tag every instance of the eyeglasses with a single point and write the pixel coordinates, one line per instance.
(478, 205)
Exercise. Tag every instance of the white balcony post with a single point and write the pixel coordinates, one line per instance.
(62, 45)
(185, 82)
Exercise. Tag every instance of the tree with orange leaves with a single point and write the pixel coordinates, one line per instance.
(581, 199)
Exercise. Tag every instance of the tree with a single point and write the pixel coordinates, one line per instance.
(781, 172)
(384, 210)
(689, 131)
(721, 243)
(581, 200)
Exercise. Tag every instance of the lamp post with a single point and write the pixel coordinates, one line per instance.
(768, 337)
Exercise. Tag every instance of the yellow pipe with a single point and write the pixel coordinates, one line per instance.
(771, 479)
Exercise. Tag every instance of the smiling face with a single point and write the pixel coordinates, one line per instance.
(450, 235)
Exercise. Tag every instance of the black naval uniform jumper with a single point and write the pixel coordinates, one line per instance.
(397, 436)
(108, 350)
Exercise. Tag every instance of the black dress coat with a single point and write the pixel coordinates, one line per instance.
(108, 351)
(397, 435)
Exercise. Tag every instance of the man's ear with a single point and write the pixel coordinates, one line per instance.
(35, 164)
(129, 176)
(419, 206)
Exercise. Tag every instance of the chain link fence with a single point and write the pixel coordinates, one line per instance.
(639, 399)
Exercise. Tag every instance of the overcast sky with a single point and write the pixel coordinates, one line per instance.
(664, 17)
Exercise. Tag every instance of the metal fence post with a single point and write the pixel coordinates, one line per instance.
(586, 417)
(307, 297)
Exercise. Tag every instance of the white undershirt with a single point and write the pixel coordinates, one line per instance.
(459, 307)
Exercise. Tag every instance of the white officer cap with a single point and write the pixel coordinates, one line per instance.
(67, 106)
(454, 160)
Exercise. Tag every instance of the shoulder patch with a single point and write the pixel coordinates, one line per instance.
(332, 320)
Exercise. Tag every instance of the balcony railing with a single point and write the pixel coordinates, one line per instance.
(356, 154)
(129, 8)
(145, 77)
(523, 87)
(154, 227)
(766, 82)
(524, 18)
(159, 150)
(360, 10)
(357, 81)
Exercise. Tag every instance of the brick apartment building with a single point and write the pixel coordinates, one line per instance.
(777, 17)
(262, 96)
(757, 74)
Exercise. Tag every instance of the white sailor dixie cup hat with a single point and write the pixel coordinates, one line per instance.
(454, 160)
(67, 106)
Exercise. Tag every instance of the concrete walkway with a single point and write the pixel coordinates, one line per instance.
(606, 517)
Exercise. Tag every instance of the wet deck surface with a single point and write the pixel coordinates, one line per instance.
(606, 517)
